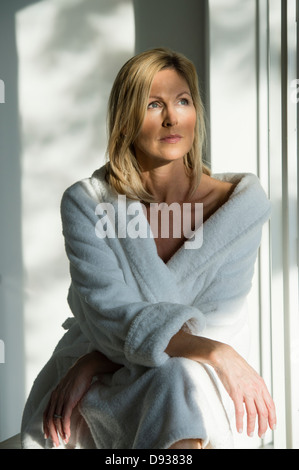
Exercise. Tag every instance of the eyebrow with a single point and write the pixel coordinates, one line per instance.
(180, 94)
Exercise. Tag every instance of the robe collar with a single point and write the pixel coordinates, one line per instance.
(246, 208)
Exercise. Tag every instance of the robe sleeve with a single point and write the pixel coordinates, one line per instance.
(112, 314)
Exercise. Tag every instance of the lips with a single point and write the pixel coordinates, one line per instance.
(171, 139)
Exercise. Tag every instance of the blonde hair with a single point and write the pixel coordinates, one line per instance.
(126, 111)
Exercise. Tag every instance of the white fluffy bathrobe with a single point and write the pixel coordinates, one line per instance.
(128, 303)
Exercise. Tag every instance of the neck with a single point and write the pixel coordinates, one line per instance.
(168, 183)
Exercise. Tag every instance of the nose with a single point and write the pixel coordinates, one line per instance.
(170, 118)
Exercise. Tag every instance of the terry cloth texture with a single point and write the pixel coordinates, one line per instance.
(127, 303)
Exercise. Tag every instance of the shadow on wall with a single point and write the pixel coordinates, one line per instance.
(11, 285)
(182, 26)
(69, 54)
(11, 282)
(58, 61)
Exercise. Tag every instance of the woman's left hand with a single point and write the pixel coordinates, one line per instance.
(243, 384)
(245, 387)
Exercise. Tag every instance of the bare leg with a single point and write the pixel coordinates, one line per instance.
(187, 444)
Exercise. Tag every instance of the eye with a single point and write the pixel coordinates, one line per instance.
(184, 101)
(153, 105)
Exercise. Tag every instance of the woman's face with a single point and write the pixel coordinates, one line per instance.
(167, 132)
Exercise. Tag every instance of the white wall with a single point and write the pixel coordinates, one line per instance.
(233, 116)
(67, 54)
(11, 262)
(254, 128)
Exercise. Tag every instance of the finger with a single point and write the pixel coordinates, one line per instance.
(66, 424)
(68, 409)
(69, 405)
(272, 419)
(59, 415)
(58, 421)
(251, 416)
(52, 431)
(51, 425)
(268, 407)
(239, 412)
(262, 418)
(47, 419)
(45, 424)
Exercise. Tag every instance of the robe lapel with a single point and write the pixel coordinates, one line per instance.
(161, 281)
(156, 281)
(246, 209)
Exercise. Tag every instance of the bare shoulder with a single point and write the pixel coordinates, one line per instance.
(222, 189)
(214, 189)
(213, 194)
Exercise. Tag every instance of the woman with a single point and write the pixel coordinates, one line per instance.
(154, 356)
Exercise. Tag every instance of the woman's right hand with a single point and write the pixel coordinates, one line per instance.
(70, 390)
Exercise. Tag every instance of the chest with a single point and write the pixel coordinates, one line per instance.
(173, 224)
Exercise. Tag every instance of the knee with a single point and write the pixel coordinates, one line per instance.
(187, 444)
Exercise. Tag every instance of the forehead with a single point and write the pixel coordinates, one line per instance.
(169, 81)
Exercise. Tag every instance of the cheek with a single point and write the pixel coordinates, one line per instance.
(144, 138)
(188, 120)
(192, 121)
(148, 131)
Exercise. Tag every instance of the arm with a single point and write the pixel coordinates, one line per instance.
(113, 314)
(241, 382)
